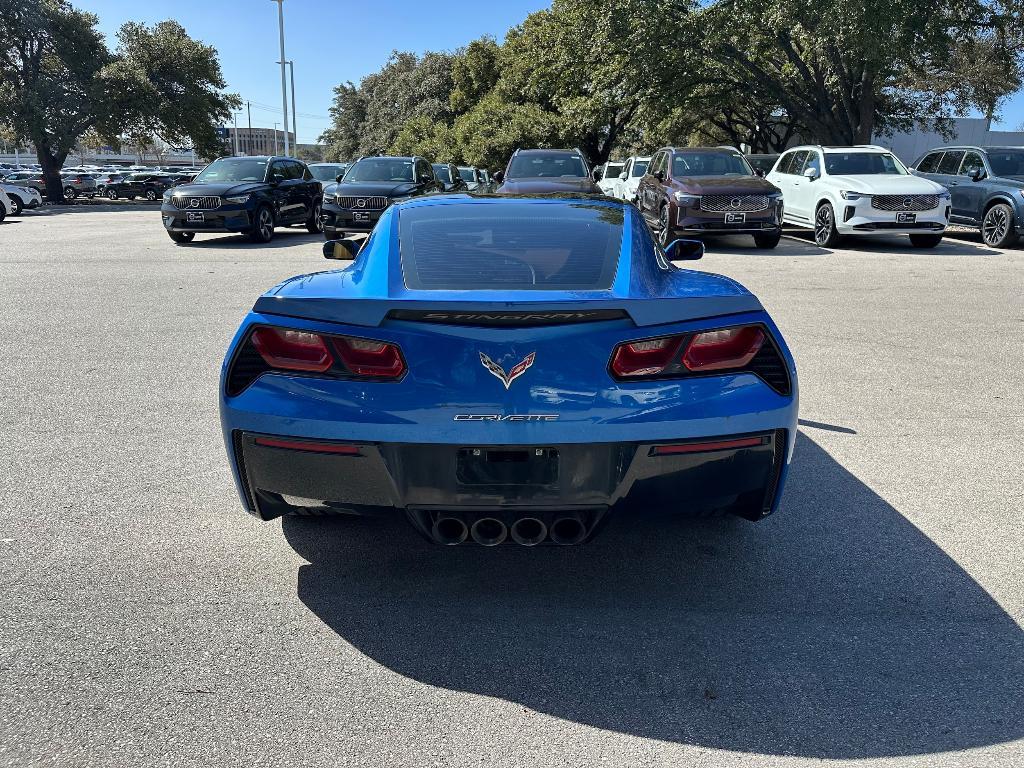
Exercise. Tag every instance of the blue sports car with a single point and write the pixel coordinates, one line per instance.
(509, 369)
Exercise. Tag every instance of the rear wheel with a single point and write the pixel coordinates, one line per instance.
(313, 223)
(997, 226)
(263, 226)
(767, 240)
(112, 194)
(17, 205)
(825, 233)
(151, 195)
(925, 241)
(182, 237)
(69, 193)
(664, 234)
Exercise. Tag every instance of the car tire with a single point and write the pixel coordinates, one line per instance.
(263, 225)
(18, 206)
(925, 241)
(112, 194)
(69, 193)
(151, 195)
(3, 212)
(825, 233)
(998, 228)
(767, 240)
(313, 224)
(664, 232)
(182, 237)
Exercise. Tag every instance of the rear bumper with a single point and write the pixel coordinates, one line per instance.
(741, 474)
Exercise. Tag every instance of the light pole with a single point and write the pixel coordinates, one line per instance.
(284, 81)
(235, 116)
(275, 138)
(295, 118)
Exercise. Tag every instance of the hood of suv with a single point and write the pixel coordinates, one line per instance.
(222, 189)
(375, 188)
(533, 186)
(723, 185)
(886, 184)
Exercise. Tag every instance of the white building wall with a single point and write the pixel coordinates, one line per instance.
(908, 147)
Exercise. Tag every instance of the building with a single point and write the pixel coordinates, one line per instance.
(257, 141)
(908, 147)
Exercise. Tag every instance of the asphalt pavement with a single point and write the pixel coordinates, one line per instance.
(146, 620)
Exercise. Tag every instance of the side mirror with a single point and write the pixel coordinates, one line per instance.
(976, 174)
(499, 177)
(811, 173)
(339, 177)
(597, 174)
(342, 250)
(622, 176)
(659, 175)
(685, 250)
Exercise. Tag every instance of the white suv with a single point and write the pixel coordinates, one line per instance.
(629, 179)
(607, 175)
(862, 190)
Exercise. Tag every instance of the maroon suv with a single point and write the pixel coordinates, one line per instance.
(708, 191)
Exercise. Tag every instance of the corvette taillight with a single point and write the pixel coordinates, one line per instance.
(739, 348)
(724, 349)
(370, 358)
(292, 350)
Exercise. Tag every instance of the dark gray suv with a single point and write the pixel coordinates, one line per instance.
(986, 185)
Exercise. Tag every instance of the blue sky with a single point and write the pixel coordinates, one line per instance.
(331, 41)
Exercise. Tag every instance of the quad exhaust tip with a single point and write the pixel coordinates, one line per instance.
(489, 531)
(568, 531)
(450, 531)
(529, 531)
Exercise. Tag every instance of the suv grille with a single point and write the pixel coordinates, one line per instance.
(905, 202)
(377, 203)
(727, 203)
(195, 203)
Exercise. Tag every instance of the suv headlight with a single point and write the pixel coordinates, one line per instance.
(944, 194)
(329, 199)
(686, 201)
(237, 198)
(168, 194)
(847, 195)
(402, 198)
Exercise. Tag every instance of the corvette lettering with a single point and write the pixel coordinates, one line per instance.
(506, 417)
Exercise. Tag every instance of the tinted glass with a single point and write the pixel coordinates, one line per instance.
(786, 163)
(234, 169)
(972, 162)
(510, 246)
(863, 164)
(639, 168)
(467, 174)
(797, 164)
(709, 164)
(381, 169)
(813, 161)
(443, 173)
(546, 166)
(1007, 162)
(613, 170)
(951, 162)
(326, 172)
(764, 164)
(930, 163)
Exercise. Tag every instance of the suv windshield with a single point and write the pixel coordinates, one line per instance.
(709, 164)
(538, 165)
(233, 169)
(639, 168)
(466, 174)
(380, 169)
(443, 173)
(613, 170)
(326, 172)
(863, 164)
(1007, 162)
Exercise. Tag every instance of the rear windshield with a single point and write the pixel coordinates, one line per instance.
(510, 246)
(326, 172)
(545, 166)
(466, 174)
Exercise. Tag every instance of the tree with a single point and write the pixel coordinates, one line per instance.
(489, 133)
(58, 80)
(428, 138)
(348, 113)
(474, 73)
(846, 71)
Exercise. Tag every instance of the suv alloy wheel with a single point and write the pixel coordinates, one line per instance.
(997, 226)
(825, 233)
(263, 228)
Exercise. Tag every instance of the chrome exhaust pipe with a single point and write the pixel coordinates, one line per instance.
(528, 531)
(568, 531)
(488, 531)
(449, 531)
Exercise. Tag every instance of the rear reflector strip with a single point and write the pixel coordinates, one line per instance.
(717, 445)
(299, 445)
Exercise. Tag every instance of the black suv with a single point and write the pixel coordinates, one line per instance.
(369, 187)
(986, 187)
(251, 195)
(448, 174)
(533, 171)
(146, 185)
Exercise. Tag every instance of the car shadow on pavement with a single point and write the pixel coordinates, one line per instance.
(953, 244)
(741, 245)
(834, 630)
(283, 238)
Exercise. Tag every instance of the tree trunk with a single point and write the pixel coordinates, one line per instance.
(865, 127)
(51, 172)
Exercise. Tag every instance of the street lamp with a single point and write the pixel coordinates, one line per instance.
(295, 117)
(275, 138)
(284, 80)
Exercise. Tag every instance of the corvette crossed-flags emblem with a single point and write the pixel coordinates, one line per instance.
(514, 372)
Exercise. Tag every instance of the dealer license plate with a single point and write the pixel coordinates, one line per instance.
(360, 216)
(195, 217)
(906, 218)
(735, 218)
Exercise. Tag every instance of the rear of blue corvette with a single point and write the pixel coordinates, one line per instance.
(509, 370)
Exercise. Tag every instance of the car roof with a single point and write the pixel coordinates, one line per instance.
(548, 151)
(703, 150)
(980, 147)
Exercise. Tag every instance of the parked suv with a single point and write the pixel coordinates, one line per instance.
(76, 184)
(251, 195)
(708, 191)
(862, 190)
(448, 174)
(607, 175)
(369, 187)
(21, 197)
(533, 171)
(629, 179)
(986, 186)
(149, 186)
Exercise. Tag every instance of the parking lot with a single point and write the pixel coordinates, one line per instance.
(146, 619)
